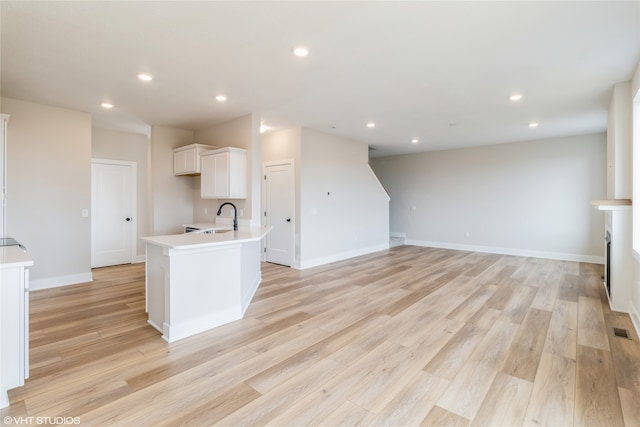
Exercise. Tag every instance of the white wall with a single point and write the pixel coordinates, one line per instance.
(344, 210)
(132, 147)
(619, 128)
(242, 132)
(49, 184)
(530, 198)
(171, 196)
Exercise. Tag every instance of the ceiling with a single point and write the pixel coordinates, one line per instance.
(440, 72)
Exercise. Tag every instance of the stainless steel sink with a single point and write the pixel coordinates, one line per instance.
(211, 230)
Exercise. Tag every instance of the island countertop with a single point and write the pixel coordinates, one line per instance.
(14, 256)
(198, 240)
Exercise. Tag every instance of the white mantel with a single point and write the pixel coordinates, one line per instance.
(612, 204)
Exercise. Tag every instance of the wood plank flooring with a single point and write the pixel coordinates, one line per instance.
(405, 337)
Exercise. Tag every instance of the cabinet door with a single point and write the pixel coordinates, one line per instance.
(13, 328)
(215, 176)
(207, 169)
(223, 174)
(184, 162)
(221, 179)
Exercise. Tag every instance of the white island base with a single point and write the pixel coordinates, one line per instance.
(195, 282)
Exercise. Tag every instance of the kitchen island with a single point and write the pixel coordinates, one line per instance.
(197, 281)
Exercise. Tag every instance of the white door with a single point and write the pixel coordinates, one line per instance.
(279, 190)
(113, 195)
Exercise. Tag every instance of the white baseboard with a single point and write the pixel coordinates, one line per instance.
(139, 258)
(191, 327)
(398, 234)
(635, 318)
(510, 251)
(54, 282)
(339, 257)
(246, 300)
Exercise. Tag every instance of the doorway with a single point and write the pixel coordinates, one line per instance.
(113, 212)
(279, 209)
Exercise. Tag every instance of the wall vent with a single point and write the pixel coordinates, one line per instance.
(622, 333)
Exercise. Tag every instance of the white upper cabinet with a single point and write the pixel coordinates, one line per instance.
(186, 160)
(224, 174)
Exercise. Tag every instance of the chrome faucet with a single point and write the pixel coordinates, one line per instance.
(235, 214)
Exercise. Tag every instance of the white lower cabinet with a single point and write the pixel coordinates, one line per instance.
(14, 321)
(224, 174)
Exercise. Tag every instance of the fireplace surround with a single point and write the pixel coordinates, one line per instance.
(618, 268)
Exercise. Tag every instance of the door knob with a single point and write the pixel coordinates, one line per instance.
(128, 219)
(288, 219)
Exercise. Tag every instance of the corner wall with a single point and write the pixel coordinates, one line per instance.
(49, 184)
(171, 196)
(530, 198)
(344, 212)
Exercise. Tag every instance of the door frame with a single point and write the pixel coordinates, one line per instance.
(291, 164)
(133, 203)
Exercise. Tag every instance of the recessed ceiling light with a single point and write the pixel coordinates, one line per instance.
(415, 141)
(106, 105)
(371, 125)
(300, 51)
(221, 98)
(533, 124)
(264, 128)
(515, 97)
(145, 77)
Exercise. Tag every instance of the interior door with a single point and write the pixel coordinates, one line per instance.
(113, 195)
(279, 190)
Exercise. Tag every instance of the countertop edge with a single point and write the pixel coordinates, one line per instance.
(192, 241)
(14, 256)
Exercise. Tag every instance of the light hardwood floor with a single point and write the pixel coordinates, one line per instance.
(410, 336)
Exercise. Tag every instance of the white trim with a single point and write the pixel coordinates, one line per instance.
(635, 170)
(398, 234)
(278, 163)
(635, 317)
(54, 282)
(4, 118)
(593, 259)
(175, 332)
(303, 264)
(378, 181)
(246, 300)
